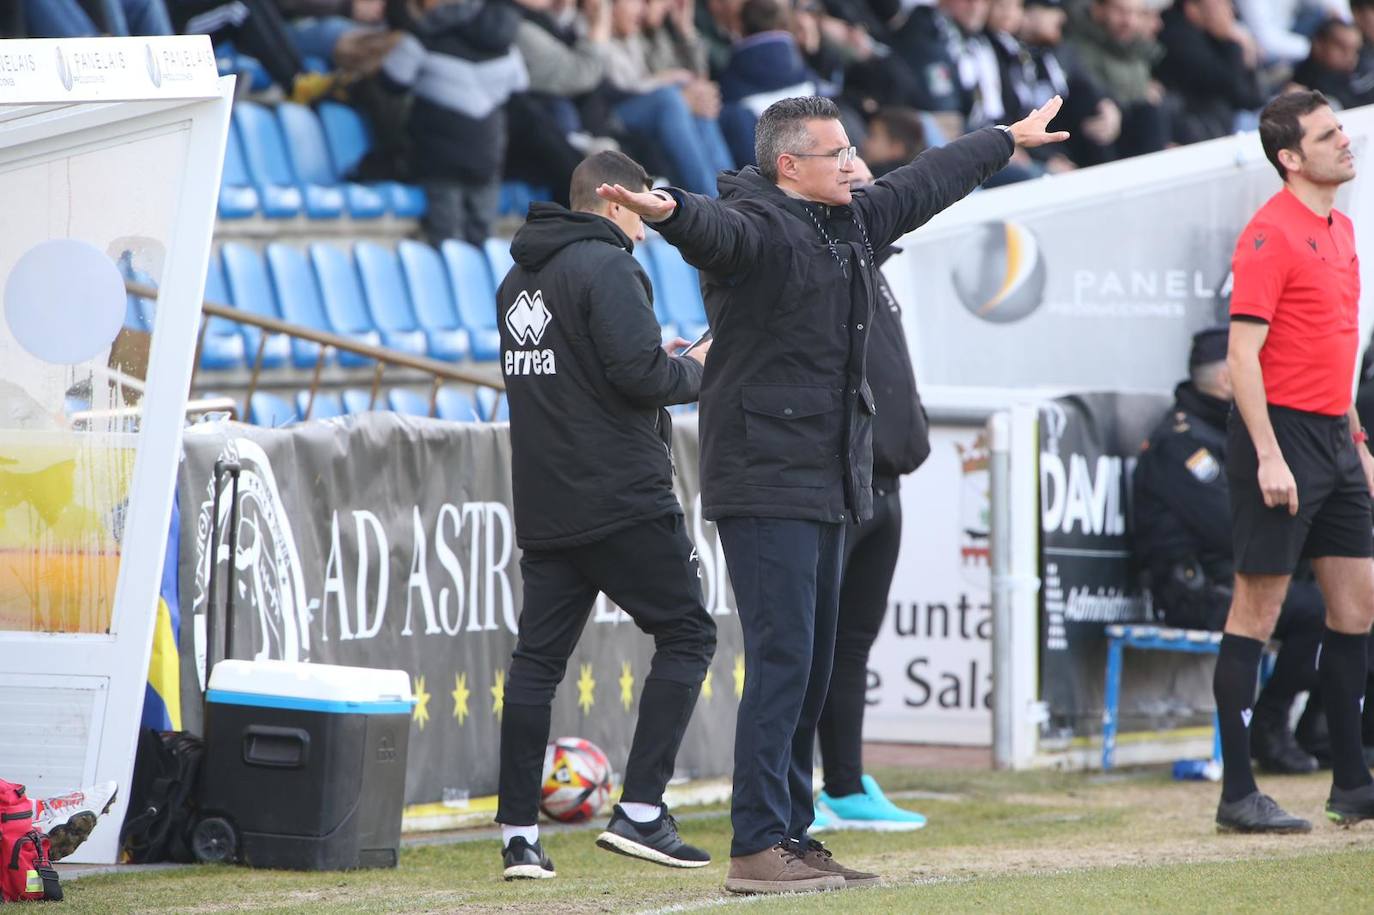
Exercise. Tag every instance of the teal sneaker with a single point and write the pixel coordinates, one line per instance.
(870, 811)
(821, 822)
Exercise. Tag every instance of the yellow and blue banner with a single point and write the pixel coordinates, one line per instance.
(162, 698)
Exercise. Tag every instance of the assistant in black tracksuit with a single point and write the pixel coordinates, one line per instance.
(786, 434)
(901, 443)
(591, 466)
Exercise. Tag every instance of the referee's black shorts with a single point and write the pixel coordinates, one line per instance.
(1334, 515)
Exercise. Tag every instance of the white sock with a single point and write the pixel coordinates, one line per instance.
(641, 813)
(529, 833)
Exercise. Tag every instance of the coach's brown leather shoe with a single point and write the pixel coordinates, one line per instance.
(779, 869)
(817, 857)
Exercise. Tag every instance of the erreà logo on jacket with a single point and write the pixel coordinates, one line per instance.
(527, 320)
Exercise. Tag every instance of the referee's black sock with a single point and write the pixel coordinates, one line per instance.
(1233, 685)
(1342, 669)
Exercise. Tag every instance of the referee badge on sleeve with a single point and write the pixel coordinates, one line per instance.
(1203, 465)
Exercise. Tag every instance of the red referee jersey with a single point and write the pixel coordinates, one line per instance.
(1298, 272)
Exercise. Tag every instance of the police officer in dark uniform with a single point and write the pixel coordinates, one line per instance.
(1182, 533)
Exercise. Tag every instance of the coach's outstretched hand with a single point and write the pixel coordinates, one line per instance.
(1030, 132)
(650, 206)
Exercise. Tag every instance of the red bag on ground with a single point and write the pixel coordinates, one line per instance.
(26, 873)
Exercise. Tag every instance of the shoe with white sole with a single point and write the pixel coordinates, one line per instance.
(657, 841)
(870, 811)
(523, 861)
(69, 818)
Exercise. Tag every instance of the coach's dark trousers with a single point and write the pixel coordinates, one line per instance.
(650, 571)
(786, 576)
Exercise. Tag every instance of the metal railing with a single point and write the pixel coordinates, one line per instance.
(439, 372)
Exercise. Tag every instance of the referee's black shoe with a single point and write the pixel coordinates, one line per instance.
(1345, 807)
(1257, 812)
(523, 861)
(656, 841)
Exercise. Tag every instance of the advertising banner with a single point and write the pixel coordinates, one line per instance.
(1088, 445)
(385, 541)
(930, 672)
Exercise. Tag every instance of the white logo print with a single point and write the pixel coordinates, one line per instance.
(1246, 715)
(528, 318)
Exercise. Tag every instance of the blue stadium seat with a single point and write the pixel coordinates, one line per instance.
(222, 346)
(327, 405)
(359, 400)
(251, 290)
(238, 199)
(475, 294)
(310, 156)
(935, 136)
(299, 296)
(249, 70)
(388, 299)
(432, 295)
(665, 321)
(457, 405)
(679, 290)
(342, 295)
(349, 139)
(515, 199)
(265, 152)
(497, 251)
(493, 405)
(411, 403)
(266, 409)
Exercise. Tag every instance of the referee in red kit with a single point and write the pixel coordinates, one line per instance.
(1300, 470)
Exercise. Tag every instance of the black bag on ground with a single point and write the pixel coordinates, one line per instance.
(162, 801)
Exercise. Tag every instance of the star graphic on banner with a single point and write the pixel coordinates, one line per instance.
(460, 697)
(498, 694)
(627, 685)
(421, 712)
(739, 676)
(586, 689)
(707, 689)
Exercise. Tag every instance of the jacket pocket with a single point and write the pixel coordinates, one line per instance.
(792, 434)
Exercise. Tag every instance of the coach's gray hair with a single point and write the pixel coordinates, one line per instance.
(782, 129)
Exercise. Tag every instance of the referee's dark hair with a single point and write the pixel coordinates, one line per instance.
(1279, 127)
(606, 167)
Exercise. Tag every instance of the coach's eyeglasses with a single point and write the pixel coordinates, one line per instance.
(842, 156)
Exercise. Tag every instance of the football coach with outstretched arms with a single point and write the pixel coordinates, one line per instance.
(790, 282)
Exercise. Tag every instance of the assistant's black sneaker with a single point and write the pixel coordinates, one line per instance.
(1345, 807)
(1257, 812)
(657, 841)
(524, 861)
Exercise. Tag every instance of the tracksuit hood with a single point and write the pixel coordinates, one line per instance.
(550, 228)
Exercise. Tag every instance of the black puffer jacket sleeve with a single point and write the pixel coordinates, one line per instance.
(710, 235)
(906, 198)
(626, 336)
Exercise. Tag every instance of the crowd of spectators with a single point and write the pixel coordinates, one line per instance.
(466, 93)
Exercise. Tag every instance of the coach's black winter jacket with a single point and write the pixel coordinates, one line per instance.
(786, 408)
(587, 380)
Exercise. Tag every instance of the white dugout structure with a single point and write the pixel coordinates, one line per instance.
(110, 156)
